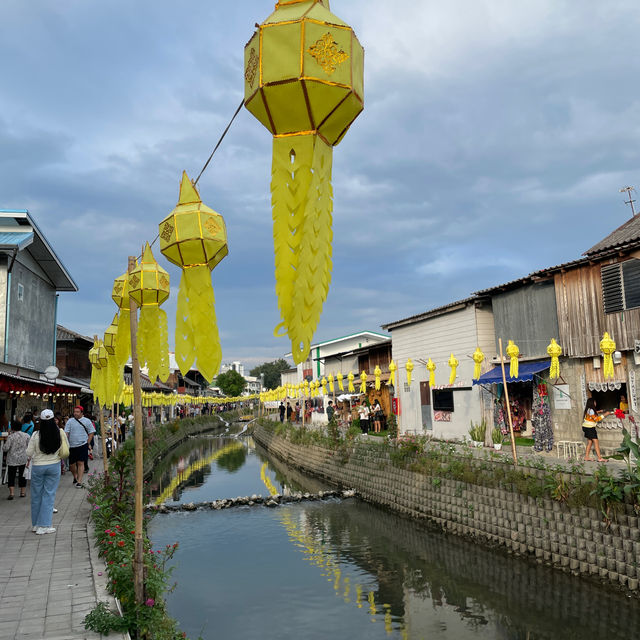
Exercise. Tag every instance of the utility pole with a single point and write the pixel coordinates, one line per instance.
(630, 201)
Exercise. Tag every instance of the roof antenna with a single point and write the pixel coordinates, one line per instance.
(630, 201)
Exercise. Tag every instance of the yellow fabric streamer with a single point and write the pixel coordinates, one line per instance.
(377, 372)
(513, 352)
(478, 359)
(340, 383)
(350, 378)
(306, 91)
(555, 351)
(607, 346)
(453, 363)
(431, 368)
(363, 382)
(331, 385)
(393, 367)
(409, 367)
(194, 237)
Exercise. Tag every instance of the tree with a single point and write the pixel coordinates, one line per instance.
(231, 383)
(272, 371)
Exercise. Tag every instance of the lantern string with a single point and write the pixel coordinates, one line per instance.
(224, 133)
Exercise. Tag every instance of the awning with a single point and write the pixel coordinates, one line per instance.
(526, 371)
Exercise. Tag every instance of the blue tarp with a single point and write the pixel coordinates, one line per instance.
(526, 371)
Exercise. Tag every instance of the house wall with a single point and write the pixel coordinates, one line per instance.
(32, 323)
(437, 338)
(582, 320)
(528, 316)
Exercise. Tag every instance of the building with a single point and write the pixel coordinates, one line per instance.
(31, 278)
(445, 410)
(254, 385)
(236, 366)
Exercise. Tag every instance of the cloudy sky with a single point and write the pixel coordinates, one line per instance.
(495, 138)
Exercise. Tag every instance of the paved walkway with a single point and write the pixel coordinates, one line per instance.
(49, 583)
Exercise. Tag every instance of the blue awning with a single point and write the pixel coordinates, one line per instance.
(526, 371)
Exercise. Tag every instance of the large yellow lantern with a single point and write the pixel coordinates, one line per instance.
(194, 237)
(149, 288)
(120, 295)
(304, 81)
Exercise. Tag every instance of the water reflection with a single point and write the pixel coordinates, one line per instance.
(351, 570)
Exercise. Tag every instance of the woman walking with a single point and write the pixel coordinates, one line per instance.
(590, 418)
(16, 450)
(46, 448)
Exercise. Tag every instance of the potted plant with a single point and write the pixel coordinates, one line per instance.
(477, 433)
(496, 436)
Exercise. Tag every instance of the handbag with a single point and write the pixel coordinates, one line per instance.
(63, 451)
(26, 474)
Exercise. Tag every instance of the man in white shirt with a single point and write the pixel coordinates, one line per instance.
(80, 432)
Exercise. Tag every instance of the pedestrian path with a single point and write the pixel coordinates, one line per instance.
(48, 583)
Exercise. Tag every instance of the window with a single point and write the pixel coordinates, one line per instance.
(20, 292)
(442, 400)
(621, 285)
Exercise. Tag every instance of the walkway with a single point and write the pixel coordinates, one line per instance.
(49, 583)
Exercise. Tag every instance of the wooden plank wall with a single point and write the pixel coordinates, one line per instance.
(581, 317)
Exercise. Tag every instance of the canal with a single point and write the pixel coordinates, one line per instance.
(346, 569)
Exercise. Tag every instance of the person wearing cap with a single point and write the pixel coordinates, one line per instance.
(46, 448)
(80, 432)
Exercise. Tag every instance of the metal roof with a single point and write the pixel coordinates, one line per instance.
(15, 239)
(64, 334)
(447, 308)
(40, 249)
(626, 234)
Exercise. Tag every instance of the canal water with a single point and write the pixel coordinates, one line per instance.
(346, 569)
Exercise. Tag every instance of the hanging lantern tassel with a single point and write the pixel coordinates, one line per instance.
(304, 83)
(340, 383)
(149, 287)
(453, 363)
(607, 346)
(194, 237)
(363, 382)
(377, 372)
(555, 351)
(409, 368)
(478, 359)
(331, 385)
(350, 378)
(392, 373)
(120, 295)
(431, 368)
(513, 352)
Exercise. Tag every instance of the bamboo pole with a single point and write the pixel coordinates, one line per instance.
(138, 562)
(506, 397)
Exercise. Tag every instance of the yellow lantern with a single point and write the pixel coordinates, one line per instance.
(363, 382)
(323, 382)
(513, 352)
(453, 363)
(555, 351)
(111, 336)
(350, 378)
(478, 359)
(340, 383)
(149, 288)
(607, 346)
(304, 83)
(409, 367)
(392, 373)
(113, 374)
(331, 385)
(120, 295)
(377, 372)
(431, 368)
(194, 237)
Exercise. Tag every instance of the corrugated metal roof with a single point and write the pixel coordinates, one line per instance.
(18, 239)
(625, 234)
(429, 314)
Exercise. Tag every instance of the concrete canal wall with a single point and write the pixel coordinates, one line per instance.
(576, 540)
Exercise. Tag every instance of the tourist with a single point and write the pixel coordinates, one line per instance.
(281, 409)
(27, 424)
(363, 412)
(330, 411)
(296, 415)
(46, 448)
(16, 449)
(289, 412)
(590, 418)
(80, 433)
(378, 416)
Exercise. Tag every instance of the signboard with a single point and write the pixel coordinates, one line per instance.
(633, 402)
(442, 416)
(561, 398)
(583, 388)
(395, 406)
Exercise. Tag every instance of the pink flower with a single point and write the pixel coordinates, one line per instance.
(150, 602)
(99, 573)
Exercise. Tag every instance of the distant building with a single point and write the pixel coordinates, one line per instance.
(236, 366)
(253, 385)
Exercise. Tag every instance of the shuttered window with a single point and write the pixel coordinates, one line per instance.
(621, 286)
